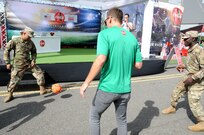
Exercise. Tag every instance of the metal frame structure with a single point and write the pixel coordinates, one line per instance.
(3, 25)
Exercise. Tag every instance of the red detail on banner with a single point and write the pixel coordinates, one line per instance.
(177, 15)
(59, 17)
(71, 18)
(42, 43)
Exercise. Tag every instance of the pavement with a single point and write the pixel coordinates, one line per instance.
(67, 113)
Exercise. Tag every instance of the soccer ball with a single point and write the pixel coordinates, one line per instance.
(56, 88)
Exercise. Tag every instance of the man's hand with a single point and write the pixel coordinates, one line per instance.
(189, 81)
(180, 68)
(8, 66)
(83, 88)
(32, 63)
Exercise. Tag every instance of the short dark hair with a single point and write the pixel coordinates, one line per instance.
(127, 14)
(116, 13)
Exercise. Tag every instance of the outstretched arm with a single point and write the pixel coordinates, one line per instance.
(95, 69)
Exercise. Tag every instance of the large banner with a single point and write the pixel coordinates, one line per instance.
(74, 25)
(166, 24)
(136, 15)
(136, 12)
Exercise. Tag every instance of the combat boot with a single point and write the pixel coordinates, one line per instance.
(199, 127)
(9, 97)
(169, 110)
(42, 90)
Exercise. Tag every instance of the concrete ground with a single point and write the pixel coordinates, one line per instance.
(67, 113)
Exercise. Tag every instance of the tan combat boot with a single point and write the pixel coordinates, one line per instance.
(9, 97)
(169, 110)
(42, 90)
(199, 127)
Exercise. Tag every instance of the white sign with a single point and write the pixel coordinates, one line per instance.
(45, 44)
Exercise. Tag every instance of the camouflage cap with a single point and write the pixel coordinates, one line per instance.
(30, 31)
(189, 34)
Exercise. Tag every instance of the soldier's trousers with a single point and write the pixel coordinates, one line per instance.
(18, 73)
(194, 95)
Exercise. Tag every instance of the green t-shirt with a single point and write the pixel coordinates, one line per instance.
(122, 51)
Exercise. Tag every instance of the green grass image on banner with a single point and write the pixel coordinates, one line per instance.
(75, 55)
(67, 55)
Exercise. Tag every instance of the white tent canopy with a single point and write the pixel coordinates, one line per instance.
(100, 4)
(92, 4)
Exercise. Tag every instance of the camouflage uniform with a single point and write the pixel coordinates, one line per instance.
(24, 53)
(195, 68)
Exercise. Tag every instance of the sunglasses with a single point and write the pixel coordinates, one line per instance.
(106, 20)
(185, 39)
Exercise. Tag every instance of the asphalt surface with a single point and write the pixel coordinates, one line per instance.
(67, 113)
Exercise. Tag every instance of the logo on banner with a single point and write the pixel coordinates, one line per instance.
(42, 43)
(59, 17)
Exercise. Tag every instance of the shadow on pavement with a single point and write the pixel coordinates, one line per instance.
(23, 112)
(28, 87)
(66, 96)
(53, 94)
(143, 120)
(184, 104)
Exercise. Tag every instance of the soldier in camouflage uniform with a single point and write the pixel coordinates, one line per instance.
(193, 81)
(24, 58)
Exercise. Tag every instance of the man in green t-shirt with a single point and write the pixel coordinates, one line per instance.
(117, 53)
